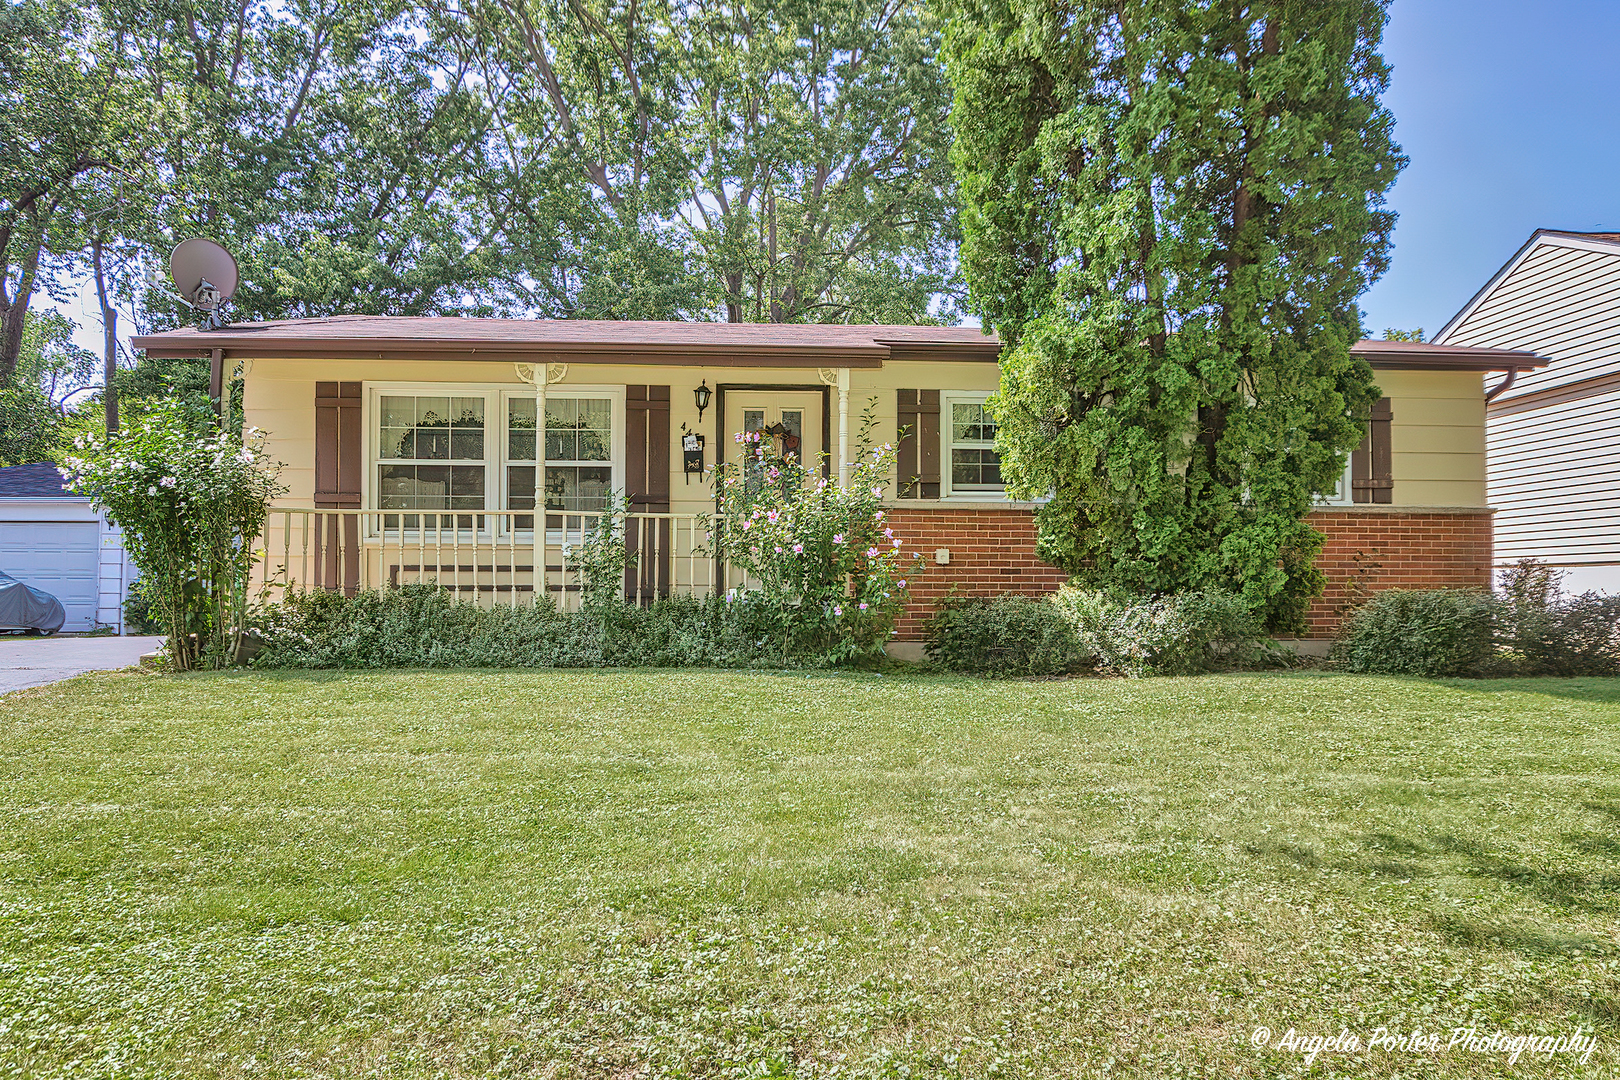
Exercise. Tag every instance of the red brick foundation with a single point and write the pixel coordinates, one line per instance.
(1387, 548)
(993, 552)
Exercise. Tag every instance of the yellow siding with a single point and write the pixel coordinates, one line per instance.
(279, 397)
(1438, 437)
(1438, 430)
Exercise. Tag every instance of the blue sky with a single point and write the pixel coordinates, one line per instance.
(1510, 113)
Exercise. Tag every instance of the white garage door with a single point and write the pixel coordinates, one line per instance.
(58, 556)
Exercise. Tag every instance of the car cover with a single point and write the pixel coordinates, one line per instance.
(25, 606)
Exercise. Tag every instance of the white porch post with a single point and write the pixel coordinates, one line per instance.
(540, 376)
(843, 426)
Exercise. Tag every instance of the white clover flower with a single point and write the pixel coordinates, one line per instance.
(168, 482)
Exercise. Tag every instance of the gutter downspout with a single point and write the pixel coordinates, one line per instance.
(1501, 387)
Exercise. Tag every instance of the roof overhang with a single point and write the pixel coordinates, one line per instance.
(677, 345)
(534, 341)
(1426, 356)
(165, 346)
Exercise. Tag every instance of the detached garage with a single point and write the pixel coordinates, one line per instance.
(51, 539)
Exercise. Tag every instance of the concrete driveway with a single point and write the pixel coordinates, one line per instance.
(34, 661)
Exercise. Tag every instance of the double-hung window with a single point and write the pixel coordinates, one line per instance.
(579, 454)
(972, 464)
(449, 459)
(430, 459)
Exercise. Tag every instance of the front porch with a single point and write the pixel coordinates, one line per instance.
(490, 556)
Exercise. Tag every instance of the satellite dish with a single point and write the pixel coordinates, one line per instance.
(206, 275)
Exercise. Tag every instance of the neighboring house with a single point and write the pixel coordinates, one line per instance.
(413, 449)
(53, 540)
(1554, 434)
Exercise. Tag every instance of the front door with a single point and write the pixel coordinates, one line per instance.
(789, 419)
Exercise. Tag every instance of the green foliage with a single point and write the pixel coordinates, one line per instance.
(1391, 334)
(190, 500)
(1080, 629)
(1542, 631)
(1528, 627)
(1169, 211)
(1429, 632)
(767, 162)
(49, 366)
(1166, 635)
(420, 625)
(139, 618)
(72, 134)
(601, 558)
(1005, 636)
(28, 424)
(820, 552)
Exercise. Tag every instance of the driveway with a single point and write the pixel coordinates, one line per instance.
(32, 661)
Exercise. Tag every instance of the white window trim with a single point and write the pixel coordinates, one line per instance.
(615, 394)
(1345, 495)
(496, 396)
(947, 398)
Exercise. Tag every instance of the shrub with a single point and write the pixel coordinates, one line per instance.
(419, 625)
(1430, 632)
(1003, 635)
(1544, 632)
(1077, 630)
(191, 500)
(1528, 628)
(1168, 635)
(820, 554)
(138, 616)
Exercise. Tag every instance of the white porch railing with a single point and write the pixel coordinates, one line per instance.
(492, 556)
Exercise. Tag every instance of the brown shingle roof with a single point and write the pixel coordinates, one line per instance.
(687, 343)
(406, 337)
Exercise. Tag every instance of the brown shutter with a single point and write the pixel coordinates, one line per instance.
(339, 459)
(647, 457)
(918, 412)
(1372, 464)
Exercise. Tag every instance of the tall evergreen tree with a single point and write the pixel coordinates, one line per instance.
(1169, 211)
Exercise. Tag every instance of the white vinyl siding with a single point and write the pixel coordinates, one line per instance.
(1555, 480)
(1561, 302)
(1553, 439)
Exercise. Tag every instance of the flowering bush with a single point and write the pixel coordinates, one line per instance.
(191, 500)
(821, 556)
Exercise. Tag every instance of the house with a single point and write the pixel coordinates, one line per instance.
(55, 540)
(1553, 435)
(422, 449)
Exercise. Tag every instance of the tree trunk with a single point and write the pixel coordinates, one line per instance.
(109, 339)
(11, 332)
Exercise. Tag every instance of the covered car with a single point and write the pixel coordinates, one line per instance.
(23, 607)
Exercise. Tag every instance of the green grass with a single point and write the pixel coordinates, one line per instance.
(622, 874)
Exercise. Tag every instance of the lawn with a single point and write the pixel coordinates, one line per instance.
(616, 874)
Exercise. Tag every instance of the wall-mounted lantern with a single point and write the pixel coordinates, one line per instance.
(701, 395)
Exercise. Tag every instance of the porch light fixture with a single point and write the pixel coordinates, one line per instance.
(701, 395)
